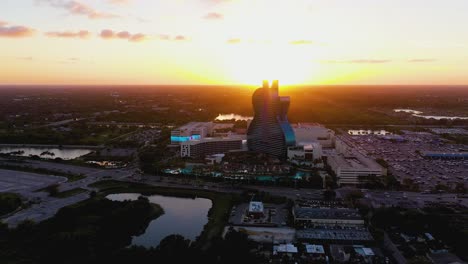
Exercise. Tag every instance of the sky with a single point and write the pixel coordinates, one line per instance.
(405, 42)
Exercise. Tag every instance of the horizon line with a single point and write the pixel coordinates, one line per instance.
(239, 85)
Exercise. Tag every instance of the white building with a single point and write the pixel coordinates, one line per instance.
(354, 169)
(199, 148)
(305, 154)
(214, 159)
(307, 133)
(191, 131)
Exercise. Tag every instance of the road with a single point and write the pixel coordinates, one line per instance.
(48, 206)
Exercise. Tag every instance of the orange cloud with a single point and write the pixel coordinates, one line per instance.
(137, 37)
(124, 35)
(180, 38)
(107, 34)
(82, 34)
(14, 31)
(110, 34)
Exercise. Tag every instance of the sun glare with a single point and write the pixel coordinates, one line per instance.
(248, 63)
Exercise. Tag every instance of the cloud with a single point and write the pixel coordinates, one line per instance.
(168, 37)
(77, 8)
(124, 35)
(164, 37)
(234, 41)
(301, 42)
(82, 34)
(213, 16)
(107, 34)
(137, 37)
(14, 31)
(421, 60)
(180, 38)
(359, 61)
(110, 34)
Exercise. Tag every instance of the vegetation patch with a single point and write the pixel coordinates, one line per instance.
(87, 232)
(9, 202)
(69, 193)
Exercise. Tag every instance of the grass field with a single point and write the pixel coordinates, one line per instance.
(69, 193)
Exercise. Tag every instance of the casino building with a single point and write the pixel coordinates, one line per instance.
(270, 131)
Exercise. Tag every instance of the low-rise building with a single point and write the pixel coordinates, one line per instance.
(305, 154)
(199, 148)
(256, 209)
(307, 133)
(327, 216)
(191, 131)
(354, 168)
(351, 167)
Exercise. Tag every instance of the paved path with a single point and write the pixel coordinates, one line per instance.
(44, 210)
(49, 206)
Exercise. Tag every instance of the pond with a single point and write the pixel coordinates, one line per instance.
(183, 216)
(436, 117)
(46, 153)
(222, 117)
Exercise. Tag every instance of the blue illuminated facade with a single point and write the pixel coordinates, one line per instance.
(270, 131)
(178, 139)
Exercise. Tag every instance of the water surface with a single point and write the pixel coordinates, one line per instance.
(46, 153)
(436, 117)
(222, 117)
(183, 216)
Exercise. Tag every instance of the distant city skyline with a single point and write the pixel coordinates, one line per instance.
(213, 42)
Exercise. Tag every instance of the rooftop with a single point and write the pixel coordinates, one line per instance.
(333, 234)
(327, 213)
(216, 139)
(354, 161)
(314, 249)
(256, 207)
(195, 125)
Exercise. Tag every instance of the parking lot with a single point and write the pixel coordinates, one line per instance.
(406, 162)
(18, 181)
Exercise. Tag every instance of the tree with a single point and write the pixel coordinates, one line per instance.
(52, 189)
(419, 260)
(329, 194)
(460, 187)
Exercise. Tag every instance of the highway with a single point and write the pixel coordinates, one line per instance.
(49, 206)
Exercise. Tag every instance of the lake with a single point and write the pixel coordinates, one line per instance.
(436, 117)
(222, 117)
(47, 153)
(183, 216)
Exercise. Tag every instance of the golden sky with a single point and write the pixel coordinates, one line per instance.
(233, 41)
